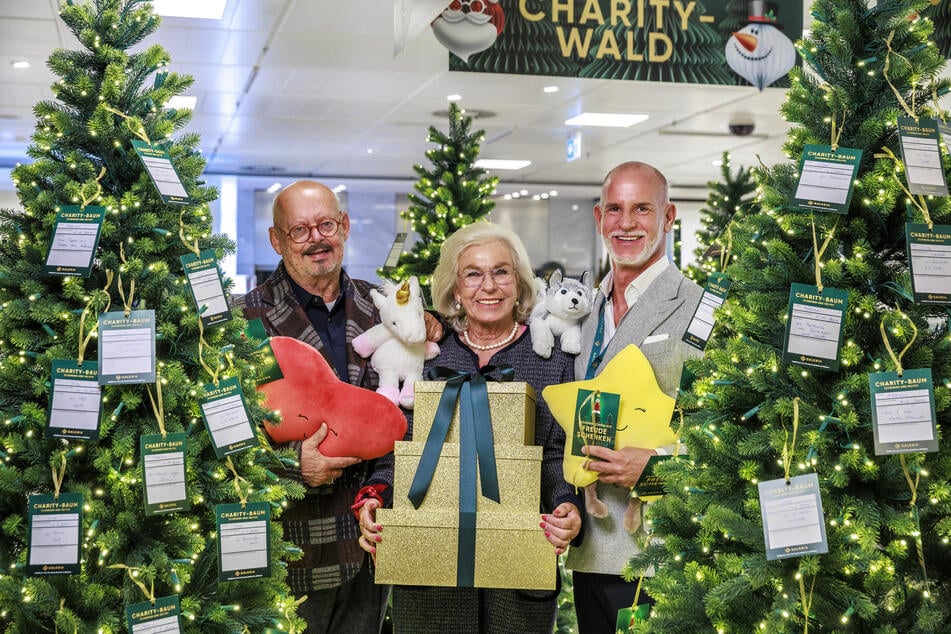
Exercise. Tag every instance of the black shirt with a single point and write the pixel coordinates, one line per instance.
(330, 324)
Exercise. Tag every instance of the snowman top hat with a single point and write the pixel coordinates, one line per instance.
(763, 12)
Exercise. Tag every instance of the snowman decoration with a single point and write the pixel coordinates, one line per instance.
(467, 27)
(759, 52)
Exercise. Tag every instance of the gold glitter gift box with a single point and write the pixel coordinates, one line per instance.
(419, 546)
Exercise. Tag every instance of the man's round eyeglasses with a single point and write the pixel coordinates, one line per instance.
(474, 278)
(302, 233)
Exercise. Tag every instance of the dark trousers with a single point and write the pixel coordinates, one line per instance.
(356, 607)
(598, 598)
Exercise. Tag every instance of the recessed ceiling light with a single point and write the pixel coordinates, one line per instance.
(553, 192)
(502, 164)
(339, 188)
(453, 97)
(606, 119)
(369, 150)
(550, 89)
(523, 192)
(206, 9)
(716, 162)
(20, 64)
(181, 102)
(515, 195)
(273, 188)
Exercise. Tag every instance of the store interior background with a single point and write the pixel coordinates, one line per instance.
(290, 89)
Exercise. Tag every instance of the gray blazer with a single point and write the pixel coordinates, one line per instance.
(660, 317)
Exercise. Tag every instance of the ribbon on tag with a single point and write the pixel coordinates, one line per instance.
(476, 446)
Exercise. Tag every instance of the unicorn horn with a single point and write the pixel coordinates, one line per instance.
(402, 295)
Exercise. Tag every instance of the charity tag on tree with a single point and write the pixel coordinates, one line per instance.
(922, 156)
(396, 249)
(627, 617)
(127, 347)
(929, 256)
(650, 485)
(701, 324)
(596, 420)
(793, 523)
(226, 415)
(204, 280)
(903, 413)
(244, 540)
(826, 178)
(55, 528)
(814, 326)
(164, 616)
(158, 164)
(163, 472)
(75, 405)
(75, 237)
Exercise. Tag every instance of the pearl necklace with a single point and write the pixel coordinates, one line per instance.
(491, 346)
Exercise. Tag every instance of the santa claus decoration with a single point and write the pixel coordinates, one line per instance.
(467, 27)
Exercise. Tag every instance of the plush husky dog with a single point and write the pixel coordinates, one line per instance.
(562, 304)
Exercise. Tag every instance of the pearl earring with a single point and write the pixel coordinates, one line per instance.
(458, 306)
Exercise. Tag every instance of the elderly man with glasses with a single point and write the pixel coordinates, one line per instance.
(310, 297)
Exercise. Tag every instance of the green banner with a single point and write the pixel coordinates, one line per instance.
(726, 42)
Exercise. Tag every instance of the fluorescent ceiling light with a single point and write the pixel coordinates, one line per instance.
(453, 97)
(607, 119)
(273, 188)
(182, 102)
(550, 89)
(205, 9)
(502, 164)
(20, 64)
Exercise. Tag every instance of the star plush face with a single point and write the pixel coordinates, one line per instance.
(643, 414)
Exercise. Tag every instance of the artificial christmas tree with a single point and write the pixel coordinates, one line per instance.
(760, 421)
(162, 491)
(450, 194)
(729, 197)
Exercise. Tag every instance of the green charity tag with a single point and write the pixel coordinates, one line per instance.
(793, 522)
(826, 178)
(922, 156)
(226, 416)
(255, 330)
(929, 257)
(650, 484)
(244, 540)
(814, 324)
(75, 405)
(163, 472)
(127, 347)
(701, 324)
(393, 257)
(204, 280)
(596, 415)
(268, 367)
(159, 166)
(163, 616)
(627, 617)
(903, 412)
(55, 529)
(75, 238)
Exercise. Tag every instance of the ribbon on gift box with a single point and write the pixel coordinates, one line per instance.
(476, 446)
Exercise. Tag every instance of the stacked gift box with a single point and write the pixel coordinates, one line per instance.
(421, 543)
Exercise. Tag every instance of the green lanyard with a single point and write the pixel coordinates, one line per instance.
(597, 348)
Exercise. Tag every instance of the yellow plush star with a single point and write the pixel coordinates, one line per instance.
(643, 414)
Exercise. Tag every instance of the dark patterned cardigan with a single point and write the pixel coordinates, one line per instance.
(321, 524)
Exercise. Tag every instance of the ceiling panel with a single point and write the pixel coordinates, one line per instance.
(307, 86)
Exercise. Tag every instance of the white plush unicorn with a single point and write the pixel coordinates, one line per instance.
(398, 343)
